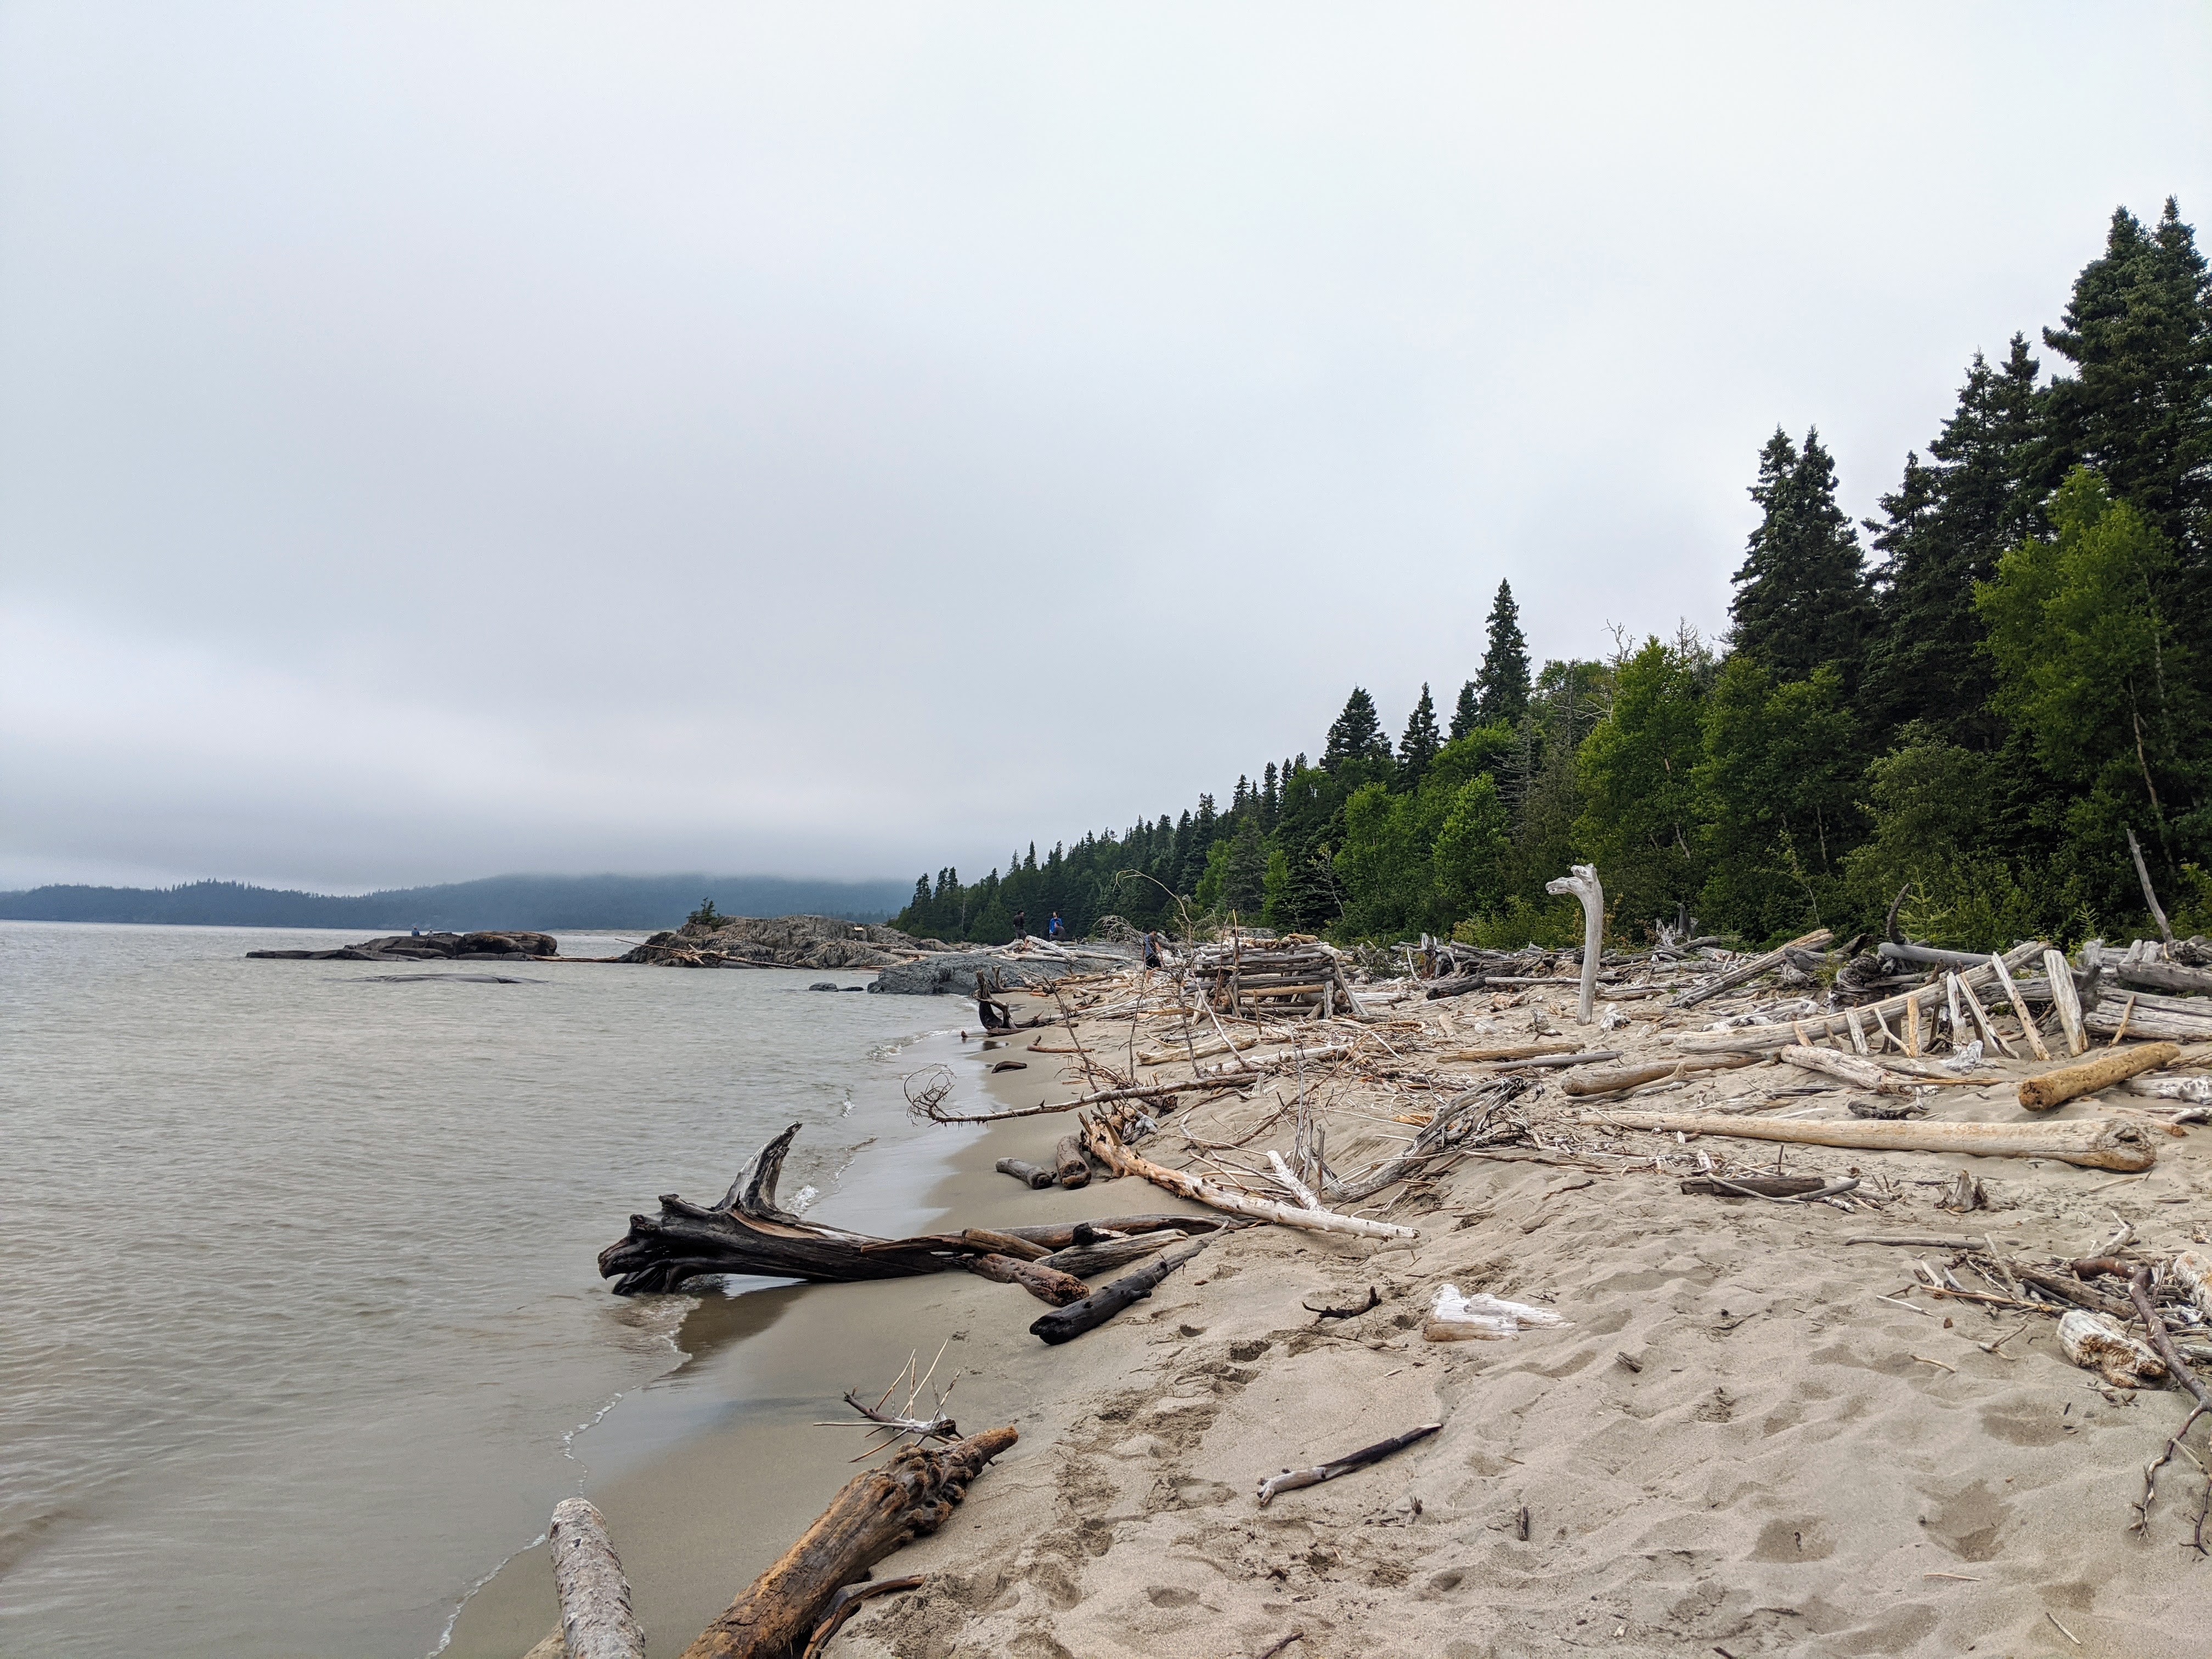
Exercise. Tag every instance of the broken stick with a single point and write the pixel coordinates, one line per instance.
(1291, 1480)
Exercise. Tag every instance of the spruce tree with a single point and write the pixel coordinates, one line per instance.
(1503, 681)
(1267, 797)
(2137, 410)
(1468, 714)
(1356, 734)
(1943, 530)
(1418, 748)
(1801, 595)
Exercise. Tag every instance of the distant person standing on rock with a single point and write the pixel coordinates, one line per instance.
(1021, 925)
(1055, 929)
(1152, 948)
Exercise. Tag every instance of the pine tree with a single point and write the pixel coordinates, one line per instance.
(1468, 714)
(1943, 530)
(1356, 734)
(1418, 748)
(1801, 595)
(1503, 681)
(1244, 878)
(1267, 797)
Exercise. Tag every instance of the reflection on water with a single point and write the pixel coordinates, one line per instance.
(301, 1313)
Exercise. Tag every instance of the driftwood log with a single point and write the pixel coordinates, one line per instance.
(1847, 1068)
(747, 1233)
(1635, 1077)
(1066, 1324)
(1070, 1163)
(1029, 1174)
(2056, 1088)
(1046, 1284)
(876, 1512)
(596, 1619)
(2095, 1143)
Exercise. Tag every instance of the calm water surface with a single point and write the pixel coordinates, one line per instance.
(301, 1321)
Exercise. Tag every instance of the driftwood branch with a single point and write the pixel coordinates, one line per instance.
(1816, 940)
(2150, 894)
(1291, 1480)
(1104, 1140)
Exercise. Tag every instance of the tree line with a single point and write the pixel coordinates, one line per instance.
(1975, 694)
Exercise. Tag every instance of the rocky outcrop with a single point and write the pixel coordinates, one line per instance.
(430, 947)
(781, 942)
(952, 972)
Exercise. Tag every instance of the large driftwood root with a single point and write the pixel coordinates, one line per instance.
(877, 1513)
(747, 1233)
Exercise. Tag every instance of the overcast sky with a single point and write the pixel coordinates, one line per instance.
(840, 440)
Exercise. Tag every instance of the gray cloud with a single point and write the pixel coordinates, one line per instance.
(849, 439)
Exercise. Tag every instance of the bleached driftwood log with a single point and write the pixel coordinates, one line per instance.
(2095, 1143)
(1103, 1138)
(875, 1514)
(2066, 1000)
(1584, 885)
(2150, 893)
(1705, 989)
(1846, 1069)
(596, 1619)
(2141, 1014)
(2019, 1006)
(1635, 1077)
(2056, 1088)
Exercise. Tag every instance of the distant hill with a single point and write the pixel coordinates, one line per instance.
(542, 903)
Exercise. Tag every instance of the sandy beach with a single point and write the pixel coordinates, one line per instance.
(1749, 1437)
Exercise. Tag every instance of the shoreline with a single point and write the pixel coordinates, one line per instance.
(1742, 1437)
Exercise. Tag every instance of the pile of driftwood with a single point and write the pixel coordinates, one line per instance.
(1251, 978)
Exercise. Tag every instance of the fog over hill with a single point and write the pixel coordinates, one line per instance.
(545, 903)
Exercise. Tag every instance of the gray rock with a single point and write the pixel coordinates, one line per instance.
(952, 973)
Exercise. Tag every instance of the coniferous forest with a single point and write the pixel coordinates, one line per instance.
(1979, 692)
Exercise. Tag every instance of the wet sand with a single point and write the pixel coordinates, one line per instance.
(709, 1475)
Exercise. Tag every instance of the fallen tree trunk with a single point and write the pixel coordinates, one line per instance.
(1817, 939)
(1069, 1162)
(1513, 1051)
(1029, 1174)
(2095, 1143)
(877, 1513)
(2056, 1087)
(1103, 1138)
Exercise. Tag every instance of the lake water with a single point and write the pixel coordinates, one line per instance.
(301, 1333)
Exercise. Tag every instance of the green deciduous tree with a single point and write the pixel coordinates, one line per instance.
(1780, 777)
(2087, 667)
(1642, 819)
